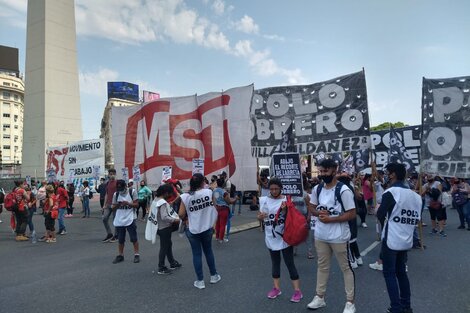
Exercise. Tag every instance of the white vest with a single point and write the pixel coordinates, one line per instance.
(200, 209)
(273, 231)
(405, 215)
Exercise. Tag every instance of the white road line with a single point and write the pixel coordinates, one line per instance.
(370, 248)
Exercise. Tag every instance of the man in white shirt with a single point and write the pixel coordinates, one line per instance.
(332, 232)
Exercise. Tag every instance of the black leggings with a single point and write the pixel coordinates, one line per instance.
(70, 206)
(288, 255)
(143, 205)
(165, 247)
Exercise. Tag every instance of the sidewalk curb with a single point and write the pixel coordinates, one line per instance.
(243, 227)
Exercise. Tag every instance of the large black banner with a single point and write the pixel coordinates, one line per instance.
(445, 146)
(328, 117)
(398, 152)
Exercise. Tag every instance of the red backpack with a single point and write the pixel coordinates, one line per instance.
(296, 227)
(10, 201)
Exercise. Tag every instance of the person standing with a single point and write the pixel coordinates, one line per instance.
(460, 191)
(102, 191)
(86, 199)
(107, 210)
(269, 206)
(222, 200)
(124, 202)
(145, 195)
(71, 194)
(332, 233)
(432, 192)
(167, 220)
(62, 199)
(41, 196)
(50, 214)
(20, 210)
(198, 207)
(31, 205)
(402, 207)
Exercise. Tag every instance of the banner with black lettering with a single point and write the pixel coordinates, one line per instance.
(327, 117)
(80, 160)
(286, 167)
(445, 144)
(398, 152)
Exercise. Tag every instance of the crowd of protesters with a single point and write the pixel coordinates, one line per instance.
(207, 208)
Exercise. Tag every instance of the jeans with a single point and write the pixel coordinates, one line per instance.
(61, 219)
(466, 213)
(396, 279)
(30, 219)
(166, 250)
(202, 243)
(107, 211)
(229, 224)
(239, 201)
(86, 206)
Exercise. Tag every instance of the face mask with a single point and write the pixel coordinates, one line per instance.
(328, 178)
(112, 177)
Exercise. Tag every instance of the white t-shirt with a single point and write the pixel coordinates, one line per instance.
(332, 232)
(427, 197)
(200, 209)
(273, 235)
(124, 215)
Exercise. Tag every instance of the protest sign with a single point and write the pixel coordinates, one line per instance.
(286, 167)
(198, 166)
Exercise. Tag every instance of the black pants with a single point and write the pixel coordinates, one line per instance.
(143, 205)
(101, 202)
(21, 221)
(362, 210)
(288, 255)
(165, 247)
(70, 206)
(459, 209)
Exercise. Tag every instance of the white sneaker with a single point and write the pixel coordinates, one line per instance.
(376, 266)
(226, 240)
(317, 303)
(354, 264)
(349, 308)
(359, 261)
(364, 225)
(215, 279)
(199, 284)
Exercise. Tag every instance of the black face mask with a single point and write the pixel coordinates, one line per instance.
(327, 178)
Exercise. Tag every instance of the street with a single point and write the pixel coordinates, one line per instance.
(76, 274)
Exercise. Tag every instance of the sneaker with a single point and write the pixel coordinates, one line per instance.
(442, 233)
(199, 284)
(136, 258)
(364, 225)
(349, 308)
(63, 232)
(433, 231)
(376, 266)
(113, 239)
(297, 296)
(354, 264)
(274, 293)
(226, 240)
(21, 238)
(359, 261)
(175, 265)
(42, 239)
(215, 279)
(163, 271)
(316, 303)
(118, 259)
(53, 240)
(461, 227)
(108, 238)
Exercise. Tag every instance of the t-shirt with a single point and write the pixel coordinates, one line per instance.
(332, 232)
(218, 195)
(200, 210)
(273, 231)
(427, 197)
(110, 190)
(125, 215)
(62, 197)
(144, 193)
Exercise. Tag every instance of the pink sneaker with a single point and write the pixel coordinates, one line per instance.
(297, 296)
(274, 293)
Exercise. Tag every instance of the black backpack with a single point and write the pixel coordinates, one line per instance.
(233, 190)
(435, 194)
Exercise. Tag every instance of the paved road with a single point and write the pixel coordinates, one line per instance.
(76, 275)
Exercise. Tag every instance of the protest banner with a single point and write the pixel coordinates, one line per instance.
(136, 174)
(28, 180)
(327, 117)
(172, 132)
(198, 166)
(398, 152)
(445, 145)
(286, 167)
(166, 173)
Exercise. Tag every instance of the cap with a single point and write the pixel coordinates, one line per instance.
(131, 181)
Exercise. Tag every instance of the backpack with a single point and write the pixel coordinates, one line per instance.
(10, 202)
(296, 227)
(338, 187)
(434, 194)
(131, 191)
(90, 194)
(460, 198)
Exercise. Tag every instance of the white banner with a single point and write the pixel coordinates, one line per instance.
(174, 131)
(198, 166)
(78, 159)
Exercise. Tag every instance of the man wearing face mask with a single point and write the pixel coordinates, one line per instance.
(332, 233)
(108, 200)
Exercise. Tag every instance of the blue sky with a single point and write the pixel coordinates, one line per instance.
(179, 47)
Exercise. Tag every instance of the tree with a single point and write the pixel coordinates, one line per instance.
(386, 126)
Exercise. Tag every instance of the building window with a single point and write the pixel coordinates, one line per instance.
(6, 84)
(6, 125)
(16, 148)
(6, 136)
(15, 117)
(6, 95)
(16, 126)
(5, 147)
(15, 97)
(6, 114)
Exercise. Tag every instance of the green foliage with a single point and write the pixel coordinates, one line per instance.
(386, 126)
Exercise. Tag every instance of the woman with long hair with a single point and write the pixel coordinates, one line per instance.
(197, 205)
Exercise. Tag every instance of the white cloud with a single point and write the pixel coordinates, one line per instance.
(218, 6)
(247, 25)
(13, 12)
(95, 83)
(274, 37)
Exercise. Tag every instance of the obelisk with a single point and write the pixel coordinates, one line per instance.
(52, 114)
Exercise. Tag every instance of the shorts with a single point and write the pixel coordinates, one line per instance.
(121, 233)
(49, 222)
(439, 214)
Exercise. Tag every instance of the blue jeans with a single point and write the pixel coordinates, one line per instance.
(61, 219)
(30, 219)
(396, 279)
(230, 214)
(466, 213)
(86, 206)
(239, 201)
(199, 243)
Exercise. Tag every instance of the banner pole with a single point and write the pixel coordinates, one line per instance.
(420, 224)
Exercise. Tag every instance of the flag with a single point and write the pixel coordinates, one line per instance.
(361, 159)
(348, 165)
(398, 153)
(287, 142)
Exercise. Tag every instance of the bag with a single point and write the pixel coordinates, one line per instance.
(233, 190)
(434, 194)
(175, 226)
(54, 214)
(295, 225)
(435, 205)
(90, 195)
(460, 198)
(10, 202)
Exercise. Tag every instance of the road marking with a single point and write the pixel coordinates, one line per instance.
(370, 248)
